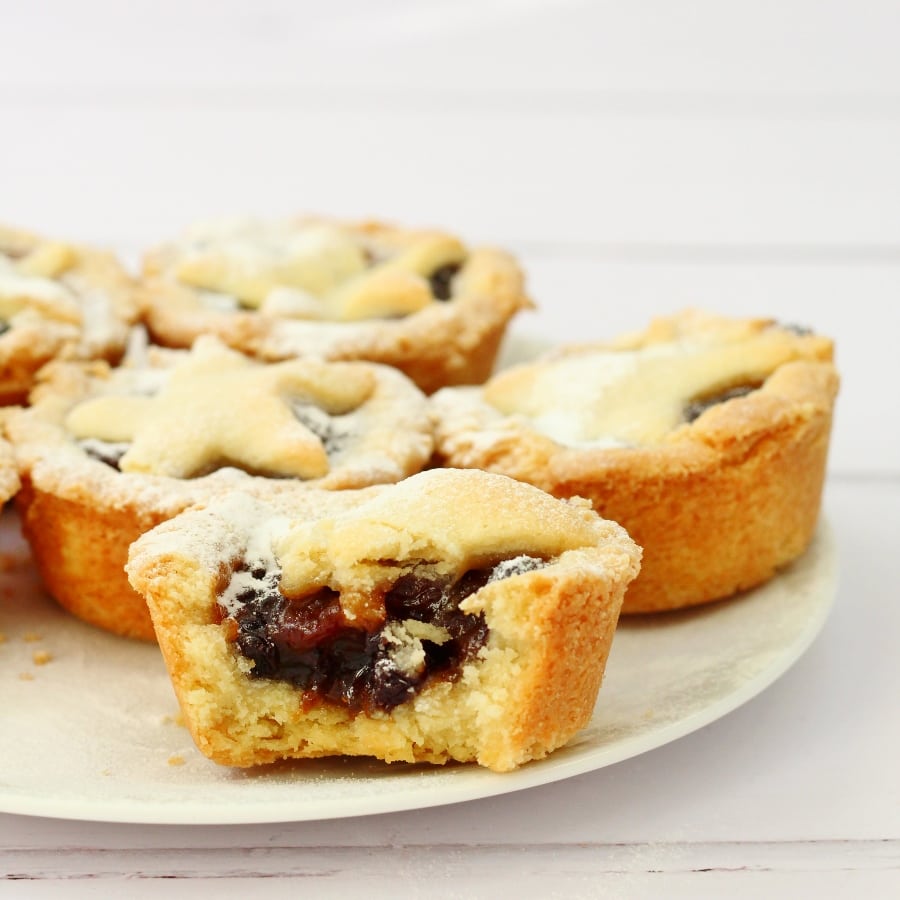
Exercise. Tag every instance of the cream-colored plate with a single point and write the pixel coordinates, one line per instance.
(92, 732)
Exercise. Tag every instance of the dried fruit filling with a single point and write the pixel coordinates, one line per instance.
(695, 408)
(441, 281)
(309, 642)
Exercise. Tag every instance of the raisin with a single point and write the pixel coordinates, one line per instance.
(389, 685)
(798, 330)
(441, 281)
(413, 597)
(105, 451)
(322, 425)
(307, 623)
(262, 651)
(695, 408)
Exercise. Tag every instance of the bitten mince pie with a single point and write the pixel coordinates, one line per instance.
(107, 453)
(420, 301)
(458, 615)
(57, 300)
(705, 437)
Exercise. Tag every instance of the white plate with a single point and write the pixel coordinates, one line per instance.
(92, 734)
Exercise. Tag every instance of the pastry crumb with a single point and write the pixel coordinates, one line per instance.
(26, 676)
(177, 719)
(176, 760)
(31, 637)
(41, 657)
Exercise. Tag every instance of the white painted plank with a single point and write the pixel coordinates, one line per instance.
(479, 871)
(554, 885)
(801, 47)
(132, 173)
(548, 886)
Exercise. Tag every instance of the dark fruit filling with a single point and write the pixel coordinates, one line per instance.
(4, 326)
(308, 641)
(437, 603)
(441, 281)
(322, 425)
(105, 451)
(799, 330)
(695, 408)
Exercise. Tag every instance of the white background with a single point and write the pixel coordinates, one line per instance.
(640, 157)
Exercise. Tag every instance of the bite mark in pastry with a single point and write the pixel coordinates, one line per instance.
(413, 624)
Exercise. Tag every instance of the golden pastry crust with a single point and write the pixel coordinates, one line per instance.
(9, 475)
(80, 513)
(526, 691)
(416, 300)
(58, 301)
(719, 503)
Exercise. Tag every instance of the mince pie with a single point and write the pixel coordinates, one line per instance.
(420, 301)
(57, 300)
(705, 437)
(107, 453)
(408, 622)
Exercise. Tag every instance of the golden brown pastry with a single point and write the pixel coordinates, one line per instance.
(9, 476)
(107, 453)
(705, 437)
(420, 301)
(57, 300)
(407, 622)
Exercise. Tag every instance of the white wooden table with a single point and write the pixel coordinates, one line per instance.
(639, 157)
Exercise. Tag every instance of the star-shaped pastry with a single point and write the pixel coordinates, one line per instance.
(217, 408)
(319, 271)
(636, 397)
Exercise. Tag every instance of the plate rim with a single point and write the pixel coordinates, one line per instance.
(550, 770)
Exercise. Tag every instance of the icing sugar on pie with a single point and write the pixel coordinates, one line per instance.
(219, 407)
(418, 300)
(318, 271)
(640, 396)
(705, 437)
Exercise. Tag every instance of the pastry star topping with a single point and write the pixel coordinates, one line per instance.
(318, 271)
(635, 397)
(218, 407)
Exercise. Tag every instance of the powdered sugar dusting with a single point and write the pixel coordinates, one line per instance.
(261, 526)
(518, 565)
